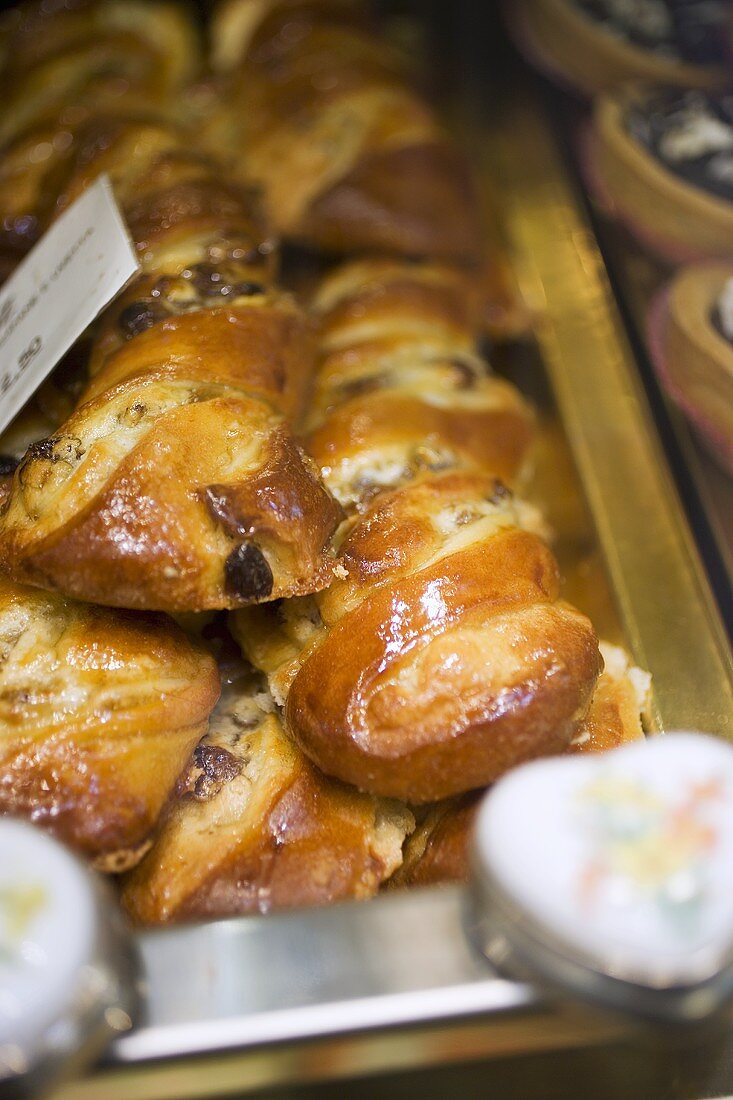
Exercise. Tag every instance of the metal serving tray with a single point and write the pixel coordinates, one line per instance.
(393, 983)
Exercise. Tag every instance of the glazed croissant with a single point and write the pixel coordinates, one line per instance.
(177, 484)
(348, 156)
(447, 652)
(99, 712)
(255, 826)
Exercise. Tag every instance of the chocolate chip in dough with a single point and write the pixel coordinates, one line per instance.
(210, 282)
(8, 465)
(140, 316)
(60, 448)
(218, 766)
(465, 375)
(247, 573)
(499, 492)
(357, 387)
(248, 290)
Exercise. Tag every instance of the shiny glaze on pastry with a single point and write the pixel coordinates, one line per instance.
(400, 388)
(99, 712)
(446, 650)
(255, 827)
(439, 849)
(196, 369)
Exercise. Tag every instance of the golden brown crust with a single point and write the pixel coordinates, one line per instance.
(428, 717)
(262, 348)
(439, 849)
(88, 522)
(256, 827)
(438, 852)
(361, 301)
(99, 712)
(423, 437)
(349, 158)
(447, 654)
(416, 200)
(400, 388)
(195, 371)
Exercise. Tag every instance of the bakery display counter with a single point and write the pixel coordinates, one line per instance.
(394, 983)
(302, 890)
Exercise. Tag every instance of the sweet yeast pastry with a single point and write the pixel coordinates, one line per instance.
(99, 712)
(177, 484)
(447, 652)
(62, 64)
(255, 827)
(349, 157)
(662, 160)
(691, 338)
(600, 45)
(400, 388)
(438, 850)
(197, 368)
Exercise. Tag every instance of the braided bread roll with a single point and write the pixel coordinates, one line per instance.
(349, 157)
(446, 651)
(63, 64)
(255, 827)
(177, 485)
(99, 712)
(400, 388)
(438, 851)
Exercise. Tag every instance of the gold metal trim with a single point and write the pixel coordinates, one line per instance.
(667, 610)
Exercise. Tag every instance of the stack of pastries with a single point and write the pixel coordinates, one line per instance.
(342, 478)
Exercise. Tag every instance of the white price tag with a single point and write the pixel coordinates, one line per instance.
(74, 271)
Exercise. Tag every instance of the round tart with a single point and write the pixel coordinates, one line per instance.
(691, 340)
(597, 45)
(662, 160)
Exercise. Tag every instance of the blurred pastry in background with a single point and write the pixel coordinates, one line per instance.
(597, 45)
(691, 339)
(661, 160)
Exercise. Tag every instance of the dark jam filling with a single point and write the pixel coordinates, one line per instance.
(683, 30)
(691, 134)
